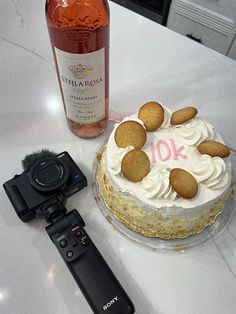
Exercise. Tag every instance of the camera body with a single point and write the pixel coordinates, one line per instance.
(50, 181)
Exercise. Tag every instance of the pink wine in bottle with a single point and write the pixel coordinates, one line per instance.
(79, 34)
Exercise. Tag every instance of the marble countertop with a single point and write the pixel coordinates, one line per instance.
(148, 62)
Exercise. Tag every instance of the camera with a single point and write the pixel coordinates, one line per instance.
(42, 190)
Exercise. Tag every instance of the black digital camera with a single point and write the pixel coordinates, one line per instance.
(44, 188)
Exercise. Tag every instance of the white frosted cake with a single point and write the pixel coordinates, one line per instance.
(158, 205)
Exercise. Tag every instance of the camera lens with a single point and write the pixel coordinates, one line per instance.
(48, 174)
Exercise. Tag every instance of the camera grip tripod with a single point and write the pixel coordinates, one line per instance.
(97, 282)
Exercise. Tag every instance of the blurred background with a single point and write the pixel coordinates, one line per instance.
(209, 22)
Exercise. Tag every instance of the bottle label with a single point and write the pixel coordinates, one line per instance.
(82, 79)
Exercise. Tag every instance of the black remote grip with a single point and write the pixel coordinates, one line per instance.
(97, 282)
(99, 285)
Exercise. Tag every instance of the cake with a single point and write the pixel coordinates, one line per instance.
(164, 174)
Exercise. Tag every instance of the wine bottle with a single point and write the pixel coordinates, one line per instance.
(79, 34)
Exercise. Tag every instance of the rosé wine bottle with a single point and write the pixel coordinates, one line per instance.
(79, 34)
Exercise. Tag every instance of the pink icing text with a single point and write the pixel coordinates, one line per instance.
(165, 151)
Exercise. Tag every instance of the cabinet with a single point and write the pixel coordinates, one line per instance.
(156, 10)
(203, 25)
(232, 50)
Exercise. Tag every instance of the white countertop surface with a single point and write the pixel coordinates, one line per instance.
(148, 62)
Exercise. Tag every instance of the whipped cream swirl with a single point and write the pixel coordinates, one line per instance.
(167, 117)
(195, 131)
(114, 163)
(157, 184)
(211, 171)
